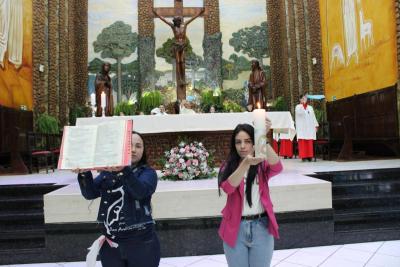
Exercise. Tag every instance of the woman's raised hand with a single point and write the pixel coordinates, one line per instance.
(253, 160)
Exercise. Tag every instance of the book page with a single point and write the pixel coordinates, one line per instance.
(110, 141)
(79, 144)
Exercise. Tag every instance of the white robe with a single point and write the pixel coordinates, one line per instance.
(4, 28)
(16, 33)
(11, 31)
(305, 122)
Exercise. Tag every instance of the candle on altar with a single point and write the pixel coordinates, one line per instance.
(103, 100)
(260, 132)
(93, 99)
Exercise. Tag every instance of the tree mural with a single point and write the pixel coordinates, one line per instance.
(252, 41)
(166, 51)
(117, 41)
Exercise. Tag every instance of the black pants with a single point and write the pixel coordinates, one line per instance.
(139, 249)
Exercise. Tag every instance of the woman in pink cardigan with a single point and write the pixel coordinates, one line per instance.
(248, 224)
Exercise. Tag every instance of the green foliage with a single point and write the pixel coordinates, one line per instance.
(208, 100)
(150, 100)
(280, 104)
(252, 41)
(125, 107)
(234, 66)
(230, 106)
(117, 41)
(320, 115)
(78, 112)
(234, 95)
(47, 124)
(167, 50)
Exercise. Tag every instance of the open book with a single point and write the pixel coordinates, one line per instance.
(107, 144)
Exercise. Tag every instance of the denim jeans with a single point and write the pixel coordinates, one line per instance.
(140, 249)
(254, 245)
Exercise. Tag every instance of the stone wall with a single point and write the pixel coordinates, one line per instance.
(60, 33)
(295, 39)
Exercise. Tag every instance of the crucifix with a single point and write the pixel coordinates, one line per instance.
(178, 12)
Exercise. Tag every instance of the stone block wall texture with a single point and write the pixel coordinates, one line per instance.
(60, 30)
(295, 39)
(211, 18)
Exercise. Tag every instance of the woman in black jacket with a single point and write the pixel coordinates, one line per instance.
(128, 232)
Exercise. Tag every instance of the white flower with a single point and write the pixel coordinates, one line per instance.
(181, 160)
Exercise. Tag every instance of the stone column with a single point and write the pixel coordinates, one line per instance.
(53, 39)
(39, 43)
(212, 44)
(146, 45)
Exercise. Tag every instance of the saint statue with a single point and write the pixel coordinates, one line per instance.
(256, 86)
(103, 84)
(179, 29)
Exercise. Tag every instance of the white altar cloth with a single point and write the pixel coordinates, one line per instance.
(145, 124)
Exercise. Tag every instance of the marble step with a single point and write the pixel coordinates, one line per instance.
(27, 189)
(14, 203)
(365, 200)
(367, 214)
(370, 187)
(347, 177)
(382, 225)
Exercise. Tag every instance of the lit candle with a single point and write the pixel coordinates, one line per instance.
(103, 100)
(93, 99)
(260, 132)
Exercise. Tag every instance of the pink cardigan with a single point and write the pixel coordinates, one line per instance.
(232, 213)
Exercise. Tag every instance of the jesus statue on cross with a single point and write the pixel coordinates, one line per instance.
(179, 29)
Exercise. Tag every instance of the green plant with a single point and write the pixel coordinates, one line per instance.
(125, 107)
(47, 124)
(78, 112)
(208, 100)
(230, 106)
(150, 100)
(280, 104)
(320, 115)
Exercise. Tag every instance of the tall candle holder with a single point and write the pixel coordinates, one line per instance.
(260, 133)
(103, 104)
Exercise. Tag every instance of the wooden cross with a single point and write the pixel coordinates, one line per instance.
(178, 10)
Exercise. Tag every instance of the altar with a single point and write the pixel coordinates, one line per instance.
(214, 130)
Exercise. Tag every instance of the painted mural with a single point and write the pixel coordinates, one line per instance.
(359, 46)
(16, 54)
(239, 20)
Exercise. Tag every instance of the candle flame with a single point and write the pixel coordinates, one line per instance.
(258, 105)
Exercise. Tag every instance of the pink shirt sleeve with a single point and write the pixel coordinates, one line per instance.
(227, 187)
(273, 170)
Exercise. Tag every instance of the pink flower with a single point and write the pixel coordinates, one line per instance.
(188, 162)
(167, 172)
(180, 175)
(195, 162)
(171, 160)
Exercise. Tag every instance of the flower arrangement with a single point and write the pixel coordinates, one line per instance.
(187, 161)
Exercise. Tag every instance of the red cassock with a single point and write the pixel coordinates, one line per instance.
(306, 148)
(286, 148)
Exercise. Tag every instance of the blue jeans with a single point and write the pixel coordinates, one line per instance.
(254, 246)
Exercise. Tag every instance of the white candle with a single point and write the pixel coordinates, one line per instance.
(260, 133)
(93, 99)
(103, 100)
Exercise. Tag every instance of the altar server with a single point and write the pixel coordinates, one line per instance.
(128, 236)
(306, 128)
(248, 224)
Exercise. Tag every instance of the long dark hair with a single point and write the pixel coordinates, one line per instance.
(233, 161)
(143, 160)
